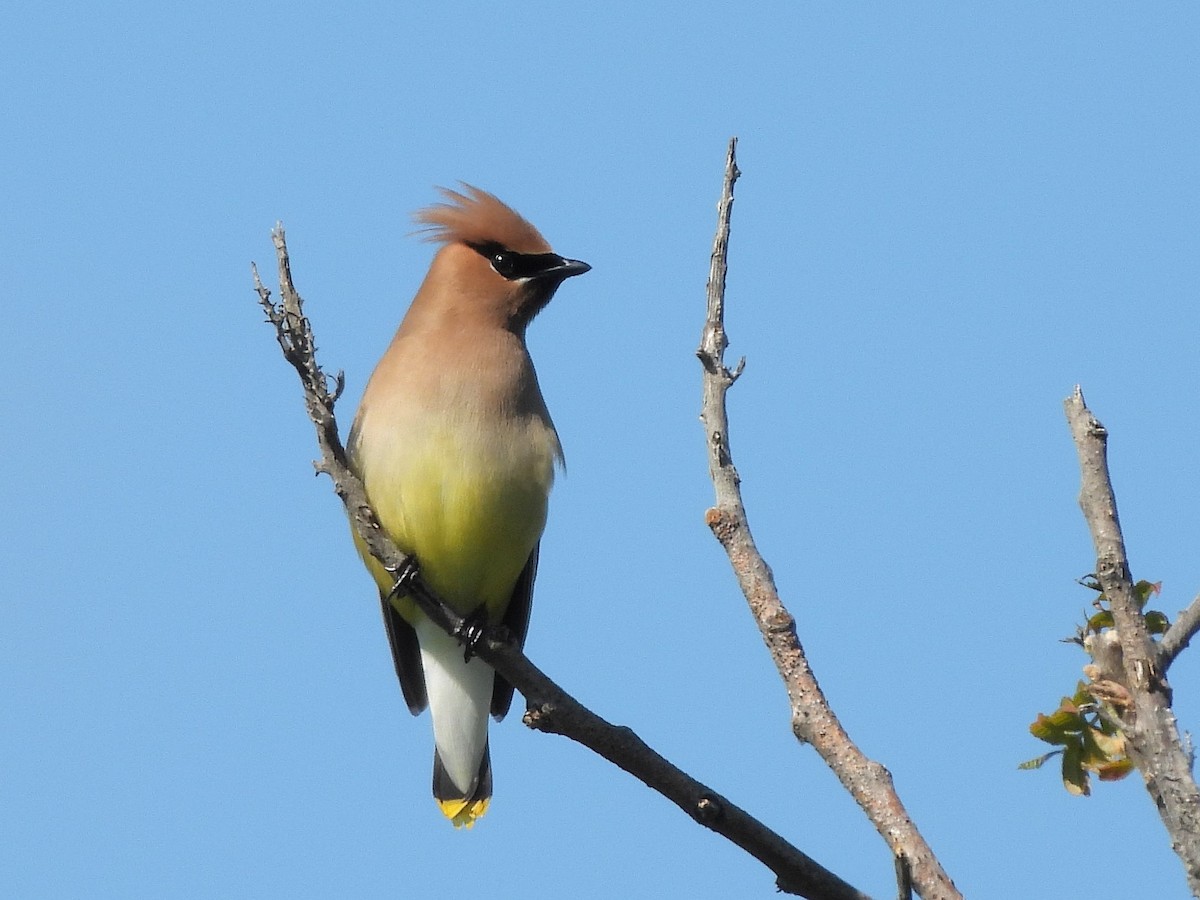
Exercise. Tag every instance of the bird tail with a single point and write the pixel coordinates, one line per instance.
(460, 694)
(462, 809)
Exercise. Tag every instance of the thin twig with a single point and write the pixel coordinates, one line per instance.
(550, 709)
(904, 885)
(1148, 722)
(813, 720)
(1179, 635)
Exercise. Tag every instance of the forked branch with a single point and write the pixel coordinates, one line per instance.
(1148, 723)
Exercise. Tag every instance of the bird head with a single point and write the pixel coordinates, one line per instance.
(494, 258)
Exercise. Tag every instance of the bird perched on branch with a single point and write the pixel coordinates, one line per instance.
(457, 452)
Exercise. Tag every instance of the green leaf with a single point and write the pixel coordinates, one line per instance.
(1039, 761)
(1060, 727)
(1082, 699)
(1100, 749)
(1075, 777)
(1144, 590)
(1101, 620)
(1157, 622)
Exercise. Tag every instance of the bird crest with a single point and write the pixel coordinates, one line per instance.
(472, 216)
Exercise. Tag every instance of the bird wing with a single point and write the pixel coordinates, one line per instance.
(516, 620)
(406, 655)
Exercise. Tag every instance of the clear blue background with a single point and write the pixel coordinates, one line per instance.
(950, 215)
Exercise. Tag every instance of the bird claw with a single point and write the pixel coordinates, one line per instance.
(471, 631)
(404, 574)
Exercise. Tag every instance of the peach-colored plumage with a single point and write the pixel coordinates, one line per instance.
(476, 217)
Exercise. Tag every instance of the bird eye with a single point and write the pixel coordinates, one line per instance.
(504, 263)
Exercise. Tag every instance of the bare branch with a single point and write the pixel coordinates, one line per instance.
(813, 720)
(1148, 722)
(550, 709)
(1179, 635)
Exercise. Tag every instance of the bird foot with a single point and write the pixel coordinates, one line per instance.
(405, 575)
(472, 630)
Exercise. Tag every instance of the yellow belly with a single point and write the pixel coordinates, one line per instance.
(470, 504)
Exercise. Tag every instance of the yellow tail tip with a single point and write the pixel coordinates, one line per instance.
(463, 813)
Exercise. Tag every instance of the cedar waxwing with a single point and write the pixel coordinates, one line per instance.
(457, 452)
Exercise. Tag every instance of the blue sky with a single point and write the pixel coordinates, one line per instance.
(950, 214)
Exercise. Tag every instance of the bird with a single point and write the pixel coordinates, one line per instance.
(456, 449)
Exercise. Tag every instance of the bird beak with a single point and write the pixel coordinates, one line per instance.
(567, 267)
